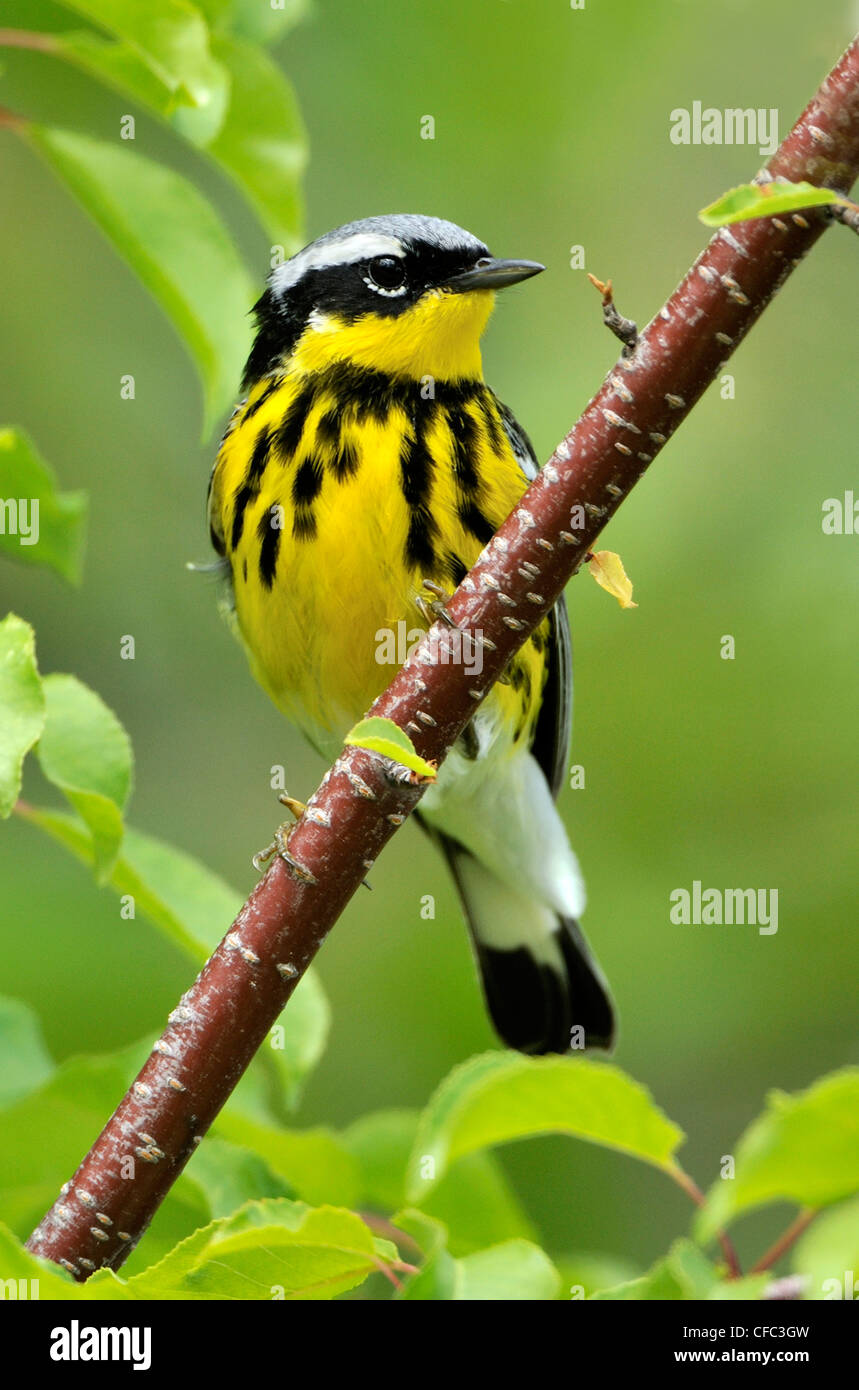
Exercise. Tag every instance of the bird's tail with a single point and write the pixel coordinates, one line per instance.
(543, 988)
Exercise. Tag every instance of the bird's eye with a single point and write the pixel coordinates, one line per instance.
(387, 272)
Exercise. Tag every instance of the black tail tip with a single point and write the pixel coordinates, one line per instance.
(537, 1010)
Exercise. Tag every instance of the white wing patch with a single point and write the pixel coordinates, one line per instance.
(499, 807)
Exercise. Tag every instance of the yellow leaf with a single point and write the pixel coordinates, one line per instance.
(607, 569)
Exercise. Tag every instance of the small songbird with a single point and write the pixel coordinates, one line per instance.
(367, 457)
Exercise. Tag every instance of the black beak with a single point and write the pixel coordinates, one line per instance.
(491, 274)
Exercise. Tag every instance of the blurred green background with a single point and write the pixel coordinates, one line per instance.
(552, 130)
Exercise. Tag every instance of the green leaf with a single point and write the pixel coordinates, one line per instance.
(474, 1200)
(194, 907)
(22, 705)
(44, 1135)
(54, 536)
(86, 752)
(262, 143)
(381, 1143)
(751, 200)
(171, 38)
(121, 67)
(435, 1280)
(584, 1273)
(24, 1060)
(684, 1274)
(162, 1278)
(17, 1263)
(314, 1162)
(478, 1206)
(229, 1175)
(258, 140)
(499, 1096)
(385, 737)
(270, 1250)
(514, 1271)
(84, 744)
(828, 1254)
(191, 905)
(803, 1148)
(185, 1209)
(262, 23)
(176, 244)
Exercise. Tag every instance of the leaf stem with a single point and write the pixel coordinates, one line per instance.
(847, 214)
(691, 1188)
(785, 1240)
(383, 1227)
(28, 38)
(10, 121)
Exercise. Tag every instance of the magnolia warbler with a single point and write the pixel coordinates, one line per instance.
(367, 457)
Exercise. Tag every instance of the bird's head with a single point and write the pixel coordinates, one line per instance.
(403, 293)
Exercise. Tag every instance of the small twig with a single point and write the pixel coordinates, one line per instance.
(785, 1241)
(386, 1228)
(691, 1188)
(382, 1268)
(622, 328)
(402, 1266)
(847, 214)
(383, 1227)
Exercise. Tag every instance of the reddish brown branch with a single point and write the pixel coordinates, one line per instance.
(222, 1020)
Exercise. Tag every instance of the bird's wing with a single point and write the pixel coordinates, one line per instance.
(216, 525)
(552, 732)
(213, 496)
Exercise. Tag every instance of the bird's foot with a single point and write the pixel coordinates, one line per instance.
(433, 609)
(279, 843)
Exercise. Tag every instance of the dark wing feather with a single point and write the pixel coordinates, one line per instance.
(534, 1005)
(216, 525)
(551, 744)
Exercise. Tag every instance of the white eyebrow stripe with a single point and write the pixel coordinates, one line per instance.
(322, 255)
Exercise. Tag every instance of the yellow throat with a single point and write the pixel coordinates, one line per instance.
(439, 337)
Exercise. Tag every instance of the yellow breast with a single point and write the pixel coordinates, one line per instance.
(338, 491)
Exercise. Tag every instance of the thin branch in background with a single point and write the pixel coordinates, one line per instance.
(785, 1241)
(28, 38)
(691, 1188)
(622, 328)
